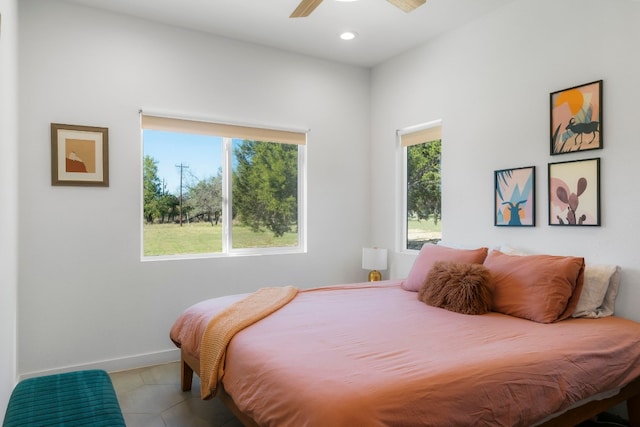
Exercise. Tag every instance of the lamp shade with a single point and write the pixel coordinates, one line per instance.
(374, 259)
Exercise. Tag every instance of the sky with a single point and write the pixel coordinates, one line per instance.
(202, 154)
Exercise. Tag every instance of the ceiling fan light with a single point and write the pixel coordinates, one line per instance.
(348, 35)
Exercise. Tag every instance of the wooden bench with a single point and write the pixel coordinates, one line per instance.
(81, 398)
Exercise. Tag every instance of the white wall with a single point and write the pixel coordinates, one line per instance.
(8, 195)
(490, 82)
(85, 298)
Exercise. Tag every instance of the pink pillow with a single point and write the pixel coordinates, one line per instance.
(542, 288)
(430, 254)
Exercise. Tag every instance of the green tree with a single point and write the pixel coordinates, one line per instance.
(423, 181)
(265, 186)
(205, 198)
(168, 207)
(151, 188)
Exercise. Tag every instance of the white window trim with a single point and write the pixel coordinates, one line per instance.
(227, 250)
(401, 199)
(302, 219)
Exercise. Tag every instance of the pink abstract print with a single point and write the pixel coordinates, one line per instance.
(574, 197)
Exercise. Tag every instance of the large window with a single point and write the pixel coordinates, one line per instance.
(422, 215)
(213, 188)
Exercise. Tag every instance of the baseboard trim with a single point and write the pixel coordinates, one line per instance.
(113, 365)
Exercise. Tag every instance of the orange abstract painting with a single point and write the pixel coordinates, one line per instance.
(576, 118)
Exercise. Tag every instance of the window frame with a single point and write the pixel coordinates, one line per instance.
(227, 194)
(402, 231)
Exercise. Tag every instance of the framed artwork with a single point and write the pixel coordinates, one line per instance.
(79, 155)
(514, 197)
(576, 118)
(574, 192)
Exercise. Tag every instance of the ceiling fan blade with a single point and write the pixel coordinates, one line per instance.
(407, 5)
(305, 8)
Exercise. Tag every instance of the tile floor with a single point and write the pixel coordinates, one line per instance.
(151, 397)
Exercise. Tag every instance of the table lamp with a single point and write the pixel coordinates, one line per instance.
(374, 259)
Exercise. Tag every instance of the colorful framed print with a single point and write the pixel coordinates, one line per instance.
(79, 155)
(514, 197)
(574, 192)
(576, 118)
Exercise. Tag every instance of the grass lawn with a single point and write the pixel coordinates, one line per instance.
(202, 237)
(421, 232)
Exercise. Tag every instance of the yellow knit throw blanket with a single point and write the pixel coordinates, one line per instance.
(230, 321)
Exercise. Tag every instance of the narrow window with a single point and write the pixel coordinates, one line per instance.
(212, 188)
(422, 215)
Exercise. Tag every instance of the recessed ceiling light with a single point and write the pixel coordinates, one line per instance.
(348, 35)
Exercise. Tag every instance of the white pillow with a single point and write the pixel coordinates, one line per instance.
(596, 285)
(512, 251)
(608, 304)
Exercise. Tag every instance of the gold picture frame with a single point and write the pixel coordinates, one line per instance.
(79, 155)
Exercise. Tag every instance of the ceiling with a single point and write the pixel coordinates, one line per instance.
(383, 30)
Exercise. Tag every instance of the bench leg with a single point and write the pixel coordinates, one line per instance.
(633, 409)
(186, 377)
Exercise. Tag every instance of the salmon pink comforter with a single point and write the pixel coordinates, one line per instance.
(373, 355)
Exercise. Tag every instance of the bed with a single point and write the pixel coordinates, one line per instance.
(375, 354)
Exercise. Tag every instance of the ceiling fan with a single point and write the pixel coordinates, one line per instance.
(307, 6)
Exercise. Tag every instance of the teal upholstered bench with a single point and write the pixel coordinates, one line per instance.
(82, 398)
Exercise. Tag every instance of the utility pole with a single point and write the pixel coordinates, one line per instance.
(182, 167)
